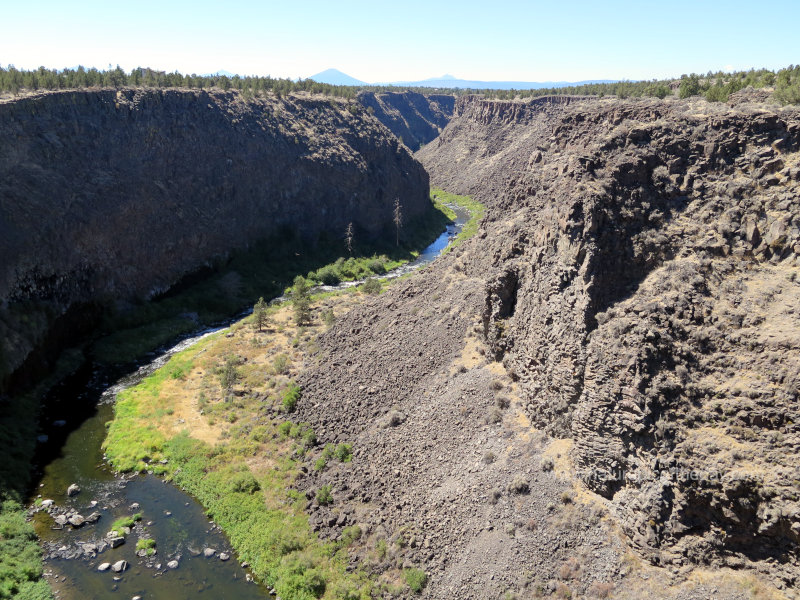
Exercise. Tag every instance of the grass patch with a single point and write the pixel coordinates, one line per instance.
(20, 556)
(118, 527)
(263, 516)
(476, 210)
(146, 544)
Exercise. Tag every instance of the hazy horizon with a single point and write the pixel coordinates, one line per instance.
(522, 41)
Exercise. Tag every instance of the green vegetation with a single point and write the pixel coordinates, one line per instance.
(371, 286)
(301, 300)
(715, 86)
(264, 270)
(415, 579)
(291, 396)
(15, 80)
(476, 211)
(119, 526)
(227, 373)
(260, 315)
(20, 556)
(324, 495)
(245, 482)
(146, 544)
(344, 452)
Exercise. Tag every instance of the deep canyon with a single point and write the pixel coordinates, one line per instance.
(595, 395)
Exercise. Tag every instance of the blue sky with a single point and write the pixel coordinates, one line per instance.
(409, 39)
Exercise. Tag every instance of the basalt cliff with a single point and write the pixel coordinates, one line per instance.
(115, 195)
(608, 372)
(414, 118)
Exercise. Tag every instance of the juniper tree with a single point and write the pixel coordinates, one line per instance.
(260, 317)
(301, 301)
(398, 219)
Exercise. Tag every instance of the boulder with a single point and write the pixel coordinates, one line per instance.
(119, 566)
(104, 566)
(60, 520)
(224, 556)
(93, 518)
(116, 541)
(73, 489)
(77, 521)
(173, 564)
(209, 552)
(47, 503)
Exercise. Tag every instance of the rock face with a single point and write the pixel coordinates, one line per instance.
(116, 194)
(618, 323)
(414, 117)
(642, 287)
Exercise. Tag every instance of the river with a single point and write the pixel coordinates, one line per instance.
(75, 418)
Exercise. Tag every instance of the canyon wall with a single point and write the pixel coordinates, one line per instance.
(642, 286)
(117, 194)
(414, 117)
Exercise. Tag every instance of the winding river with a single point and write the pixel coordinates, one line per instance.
(183, 566)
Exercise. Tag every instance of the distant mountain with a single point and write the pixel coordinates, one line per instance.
(448, 81)
(221, 72)
(336, 77)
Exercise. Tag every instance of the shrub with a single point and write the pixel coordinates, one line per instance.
(489, 458)
(563, 592)
(381, 548)
(320, 464)
(309, 438)
(371, 286)
(495, 416)
(328, 275)
(328, 317)
(244, 483)
(494, 496)
(350, 534)
(228, 374)
(344, 452)
(324, 496)
(569, 569)
(502, 401)
(600, 589)
(519, 485)
(280, 364)
(566, 498)
(285, 428)
(377, 265)
(291, 396)
(547, 464)
(415, 579)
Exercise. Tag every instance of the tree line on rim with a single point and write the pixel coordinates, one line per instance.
(715, 87)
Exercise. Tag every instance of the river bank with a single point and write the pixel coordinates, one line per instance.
(237, 450)
(182, 475)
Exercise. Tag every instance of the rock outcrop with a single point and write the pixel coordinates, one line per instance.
(117, 194)
(643, 288)
(414, 117)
